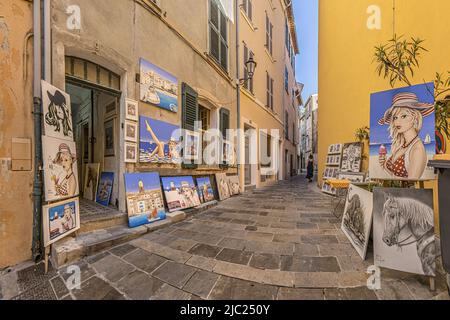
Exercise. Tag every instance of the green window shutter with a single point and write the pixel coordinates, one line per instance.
(224, 126)
(189, 114)
(190, 107)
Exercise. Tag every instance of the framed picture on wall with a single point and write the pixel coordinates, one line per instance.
(191, 145)
(131, 131)
(130, 152)
(109, 138)
(131, 110)
(111, 109)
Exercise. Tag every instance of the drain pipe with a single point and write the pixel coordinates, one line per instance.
(37, 113)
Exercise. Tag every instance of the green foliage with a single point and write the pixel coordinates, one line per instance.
(398, 58)
(363, 134)
(441, 88)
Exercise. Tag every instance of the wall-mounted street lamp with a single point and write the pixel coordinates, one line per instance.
(251, 67)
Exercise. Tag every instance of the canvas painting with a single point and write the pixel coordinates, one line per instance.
(234, 185)
(131, 110)
(402, 133)
(109, 138)
(223, 186)
(60, 169)
(181, 193)
(335, 149)
(104, 189)
(57, 112)
(131, 152)
(144, 198)
(191, 145)
(60, 219)
(160, 142)
(158, 87)
(326, 188)
(403, 230)
(205, 189)
(131, 131)
(357, 218)
(351, 157)
(92, 173)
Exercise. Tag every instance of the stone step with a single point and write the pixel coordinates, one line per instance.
(89, 241)
(98, 222)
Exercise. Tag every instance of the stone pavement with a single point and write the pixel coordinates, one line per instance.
(279, 242)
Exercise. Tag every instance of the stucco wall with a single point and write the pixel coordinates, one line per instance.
(15, 122)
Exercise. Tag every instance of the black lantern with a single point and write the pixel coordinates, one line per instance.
(251, 66)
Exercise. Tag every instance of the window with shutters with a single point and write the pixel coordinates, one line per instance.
(218, 34)
(224, 122)
(204, 116)
(269, 87)
(269, 35)
(247, 6)
(248, 84)
(189, 107)
(286, 80)
(265, 149)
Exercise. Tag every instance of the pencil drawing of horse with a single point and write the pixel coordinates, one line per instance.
(416, 218)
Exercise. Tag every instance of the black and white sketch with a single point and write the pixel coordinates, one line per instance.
(351, 157)
(57, 112)
(404, 237)
(353, 177)
(326, 188)
(335, 149)
(357, 219)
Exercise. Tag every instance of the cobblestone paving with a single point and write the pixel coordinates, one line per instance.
(279, 242)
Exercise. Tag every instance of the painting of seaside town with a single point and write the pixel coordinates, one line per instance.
(205, 189)
(144, 198)
(180, 193)
(402, 133)
(158, 87)
(159, 142)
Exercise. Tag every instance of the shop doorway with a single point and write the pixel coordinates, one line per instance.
(96, 125)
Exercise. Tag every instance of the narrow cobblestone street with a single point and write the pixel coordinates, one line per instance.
(280, 242)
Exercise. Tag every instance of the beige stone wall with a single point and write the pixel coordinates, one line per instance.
(16, 121)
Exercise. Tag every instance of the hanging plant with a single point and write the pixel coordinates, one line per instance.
(362, 134)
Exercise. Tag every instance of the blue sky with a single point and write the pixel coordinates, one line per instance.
(307, 21)
(163, 130)
(150, 180)
(177, 181)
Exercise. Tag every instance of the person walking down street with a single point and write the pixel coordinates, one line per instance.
(310, 169)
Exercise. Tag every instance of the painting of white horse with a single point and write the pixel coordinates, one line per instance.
(404, 236)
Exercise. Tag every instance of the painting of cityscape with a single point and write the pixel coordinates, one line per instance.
(159, 142)
(181, 193)
(205, 189)
(144, 198)
(60, 220)
(158, 87)
(104, 189)
(357, 219)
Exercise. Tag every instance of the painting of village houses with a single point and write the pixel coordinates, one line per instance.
(180, 192)
(158, 87)
(144, 198)
(159, 141)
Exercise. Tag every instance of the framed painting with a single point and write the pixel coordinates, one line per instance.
(158, 87)
(402, 133)
(234, 185)
(57, 112)
(92, 173)
(60, 169)
(403, 230)
(160, 142)
(222, 186)
(131, 131)
(110, 138)
(145, 201)
(191, 145)
(131, 152)
(181, 193)
(205, 189)
(104, 189)
(353, 177)
(357, 218)
(60, 220)
(351, 157)
(131, 110)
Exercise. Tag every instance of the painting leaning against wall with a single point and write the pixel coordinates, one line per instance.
(403, 230)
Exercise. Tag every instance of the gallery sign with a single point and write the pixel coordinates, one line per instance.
(402, 135)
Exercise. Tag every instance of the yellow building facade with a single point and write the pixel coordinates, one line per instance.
(348, 33)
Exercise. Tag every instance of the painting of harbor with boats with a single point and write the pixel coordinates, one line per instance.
(158, 87)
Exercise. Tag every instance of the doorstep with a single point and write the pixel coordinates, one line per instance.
(84, 244)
